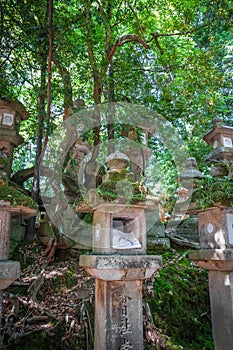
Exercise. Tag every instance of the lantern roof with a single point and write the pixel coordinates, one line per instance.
(191, 171)
(218, 129)
(118, 155)
(16, 106)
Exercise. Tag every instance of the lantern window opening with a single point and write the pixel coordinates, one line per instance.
(122, 224)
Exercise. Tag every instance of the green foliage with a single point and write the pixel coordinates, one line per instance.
(213, 190)
(180, 305)
(88, 218)
(198, 149)
(185, 74)
(24, 156)
(162, 174)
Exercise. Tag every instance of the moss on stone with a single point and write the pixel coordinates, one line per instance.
(15, 197)
(125, 190)
(119, 175)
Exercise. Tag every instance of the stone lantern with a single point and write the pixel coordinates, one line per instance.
(116, 162)
(189, 179)
(215, 228)
(191, 176)
(11, 114)
(119, 263)
(9, 270)
(220, 138)
(182, 193)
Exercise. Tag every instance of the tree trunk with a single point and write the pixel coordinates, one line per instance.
(68, 93)
(42, 115)
(41, 118)
(49, 69)
(111, 98)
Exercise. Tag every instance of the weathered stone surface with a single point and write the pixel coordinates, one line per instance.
(11, 137)
(191, 171)
(17, 231)
(215, 228)
(220, 136)
(118, 321)
(221, 299)
(103, 223)
(9, 272)
(220, 153)
(187, 227)
(17, 234)
(5, 222)
(213, 259)
(14, 106)
(160, 241)
(154, 227)
(115, 268)
(119, 273)
(219, 262)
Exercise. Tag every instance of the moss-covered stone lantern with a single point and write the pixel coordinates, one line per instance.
(118, 261)
(11, 114)
(13, 203)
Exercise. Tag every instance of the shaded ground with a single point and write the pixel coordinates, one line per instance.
(51, 306)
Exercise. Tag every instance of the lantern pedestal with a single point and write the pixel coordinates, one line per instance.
(219, 262)
(9, 270)
(118, 298)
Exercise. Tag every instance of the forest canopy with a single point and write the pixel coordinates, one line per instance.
(174, 57)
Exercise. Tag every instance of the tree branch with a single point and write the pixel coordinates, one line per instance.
(23, 175)
(126, 38)
(135, 15)
(156, 35)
